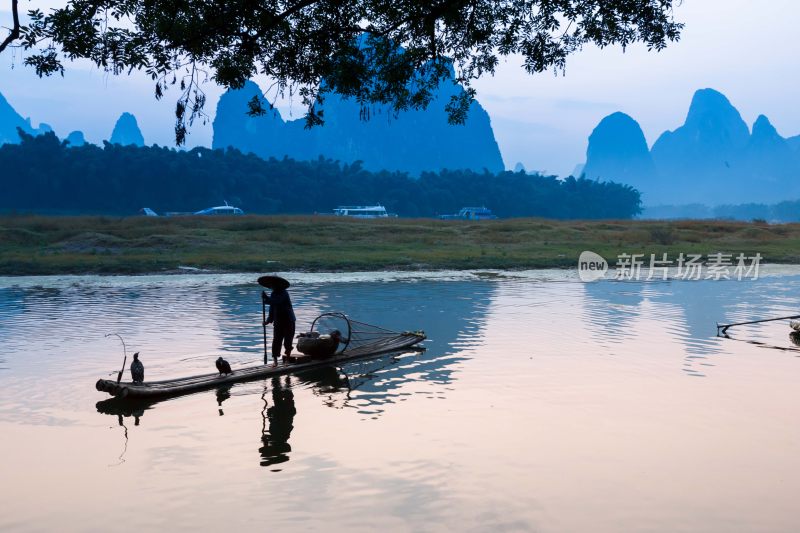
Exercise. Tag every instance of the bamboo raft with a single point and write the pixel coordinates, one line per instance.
(362, 344)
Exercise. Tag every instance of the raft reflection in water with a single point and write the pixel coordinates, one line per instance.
(277, 414)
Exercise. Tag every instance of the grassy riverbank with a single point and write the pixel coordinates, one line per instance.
(58, 245)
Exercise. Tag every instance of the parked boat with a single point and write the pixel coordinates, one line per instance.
(222, 210)
(362, 211)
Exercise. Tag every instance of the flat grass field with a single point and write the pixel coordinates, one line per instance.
(38, 245)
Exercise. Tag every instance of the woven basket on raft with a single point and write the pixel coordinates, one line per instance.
(315, 345)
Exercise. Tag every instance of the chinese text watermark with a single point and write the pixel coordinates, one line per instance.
(645, 267)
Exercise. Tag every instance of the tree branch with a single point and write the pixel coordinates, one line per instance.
(15, 31)
(435, 12)
(294, 9)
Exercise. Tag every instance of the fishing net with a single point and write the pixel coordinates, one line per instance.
(362, 338)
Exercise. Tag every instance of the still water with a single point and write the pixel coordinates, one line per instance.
(540, 404)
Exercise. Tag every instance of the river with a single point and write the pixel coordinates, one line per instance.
(540, 404)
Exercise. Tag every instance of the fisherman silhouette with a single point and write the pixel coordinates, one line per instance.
(137, 369)
(280, 416)
(281, 316)
(223, 367)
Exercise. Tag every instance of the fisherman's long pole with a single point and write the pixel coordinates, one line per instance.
(125, 351)
(264, 324)
(724, 327)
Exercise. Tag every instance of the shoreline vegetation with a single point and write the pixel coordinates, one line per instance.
(45, 175)
(48, 245)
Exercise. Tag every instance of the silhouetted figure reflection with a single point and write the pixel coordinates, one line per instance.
(280, 414)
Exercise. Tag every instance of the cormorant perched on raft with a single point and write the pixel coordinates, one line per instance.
(223, 366)
(137, 369)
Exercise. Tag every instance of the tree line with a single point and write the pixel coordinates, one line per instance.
(45, 175)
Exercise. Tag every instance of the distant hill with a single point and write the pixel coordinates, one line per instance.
(413, 141)
(76, 139)
(126, 131)
(10, 120)
(713, 158)
(617, 147)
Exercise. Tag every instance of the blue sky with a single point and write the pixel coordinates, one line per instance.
(746, 49)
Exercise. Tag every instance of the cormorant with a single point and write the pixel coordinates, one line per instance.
(137, 369)
(223, 366)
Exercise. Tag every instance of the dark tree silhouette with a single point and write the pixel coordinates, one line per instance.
(43, 174)
(15, 30)
(388, 52)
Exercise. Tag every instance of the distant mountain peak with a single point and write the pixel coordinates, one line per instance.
(713, 119)
(618, 152)
(76, 139)
(713, 158)
(763, 128)
(708, 101)
(232, 125)
(704, 153)
(10, 120)
(769, 157)
(126, 131)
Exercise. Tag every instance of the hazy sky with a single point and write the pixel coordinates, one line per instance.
(746, 49)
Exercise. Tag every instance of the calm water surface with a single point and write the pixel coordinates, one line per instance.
(540, 404)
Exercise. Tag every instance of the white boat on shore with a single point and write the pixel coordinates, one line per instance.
(362, 211)
(223, 210)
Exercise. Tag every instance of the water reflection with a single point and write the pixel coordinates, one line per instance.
(684, 311)
(555, 395)
(794, 338)
(334, 385)
(181, 326)
(329, 383)
(223, 393)
(277, 422)
(125, 408)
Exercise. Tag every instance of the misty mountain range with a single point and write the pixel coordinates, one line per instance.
(714, 158)
(412, 141)
(126, 130)
(10, 120)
